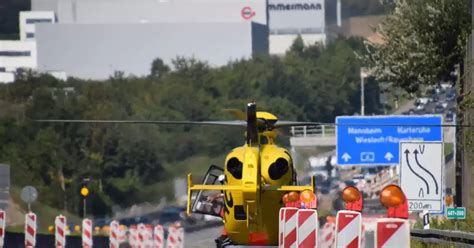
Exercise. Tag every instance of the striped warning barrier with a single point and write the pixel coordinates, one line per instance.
(288, 223)
(60, 234)
(172, 240)
(348, 229)
(148, 235)
(141, 235)
(30, 230)
(391, 232)
(133, 237)
(2, 227)
(307, 227)
(158, 236)
(327, 235)
(87, 233)
(113, 234)
(122, 234)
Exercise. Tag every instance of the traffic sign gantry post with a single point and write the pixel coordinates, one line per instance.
(374, 140)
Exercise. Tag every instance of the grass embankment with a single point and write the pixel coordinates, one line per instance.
(443, 223)
(418, 244)
(44, 213)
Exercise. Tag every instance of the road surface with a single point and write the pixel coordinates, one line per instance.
(205, 238)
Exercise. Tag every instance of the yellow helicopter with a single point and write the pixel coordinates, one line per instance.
(257, 176)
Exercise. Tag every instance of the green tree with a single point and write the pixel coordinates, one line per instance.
(158, 68)
(423, 40)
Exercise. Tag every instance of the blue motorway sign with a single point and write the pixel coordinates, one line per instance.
(375, 140)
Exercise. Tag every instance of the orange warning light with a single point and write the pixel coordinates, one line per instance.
(293, 196)
(285, 199)
(392, 196)
(350, 194)
(307, 196)
(449, 200)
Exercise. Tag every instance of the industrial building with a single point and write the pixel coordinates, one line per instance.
(95, 51)
(154, 11)
(28, 19)
(92, 39)
(16, 54)
(289, 18)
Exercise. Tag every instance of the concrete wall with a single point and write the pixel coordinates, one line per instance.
(97, 50)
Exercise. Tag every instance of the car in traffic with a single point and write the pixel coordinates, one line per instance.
(451, 96)
(438, 109)
(357, 178)
(449, 117)
(421, 101)
(434, 98)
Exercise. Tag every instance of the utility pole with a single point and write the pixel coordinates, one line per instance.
(459, 170)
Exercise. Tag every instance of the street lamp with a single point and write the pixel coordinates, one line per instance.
(364, 73)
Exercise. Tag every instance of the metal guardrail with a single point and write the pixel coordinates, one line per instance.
(318, 131)
(460, 239)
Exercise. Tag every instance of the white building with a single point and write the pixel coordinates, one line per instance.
(15, 54)
(28, 19)
(154, 11)
(290, 18)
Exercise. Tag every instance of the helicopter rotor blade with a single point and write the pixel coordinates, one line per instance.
(214, 123)
(239, 123)
(282, 124)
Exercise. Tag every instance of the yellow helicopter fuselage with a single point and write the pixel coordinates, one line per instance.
(257, 176)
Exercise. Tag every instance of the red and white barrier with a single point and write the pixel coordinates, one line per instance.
(141, 234)
(2, 227)
(158, 236)
(133, 237)
(327, 235)
(348, 229)
(60, 234)
(288, 224)
(172, 240)
(122, 234)
(30, 230)
(308, 227)
(391, 232)
(87, 233)
(149, 236)
(175, 237)
(113, 234)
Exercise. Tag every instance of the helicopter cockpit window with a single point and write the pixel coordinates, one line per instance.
(234, 166)
(278, 169)
(263, 140)
(209, 202)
